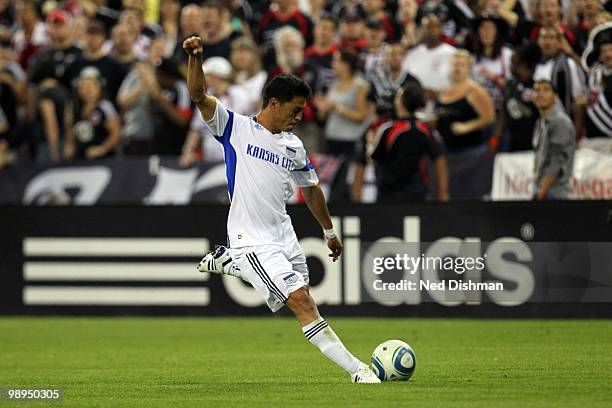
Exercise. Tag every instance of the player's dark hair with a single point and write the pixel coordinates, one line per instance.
(412, 97)
(284, 88)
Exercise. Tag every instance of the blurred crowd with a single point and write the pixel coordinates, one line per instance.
(88, 79)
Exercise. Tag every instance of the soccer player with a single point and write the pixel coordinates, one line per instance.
(261, 156)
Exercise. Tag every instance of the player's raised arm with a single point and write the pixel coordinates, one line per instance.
(195, 78)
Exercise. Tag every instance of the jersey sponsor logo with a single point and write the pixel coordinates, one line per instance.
(271, 157)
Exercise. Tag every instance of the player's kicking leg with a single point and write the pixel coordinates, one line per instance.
(303, 306)
(319, 333)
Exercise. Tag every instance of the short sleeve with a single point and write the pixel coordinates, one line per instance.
(303, 173)
(219, 120)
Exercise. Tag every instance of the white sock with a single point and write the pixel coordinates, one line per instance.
(321, 335)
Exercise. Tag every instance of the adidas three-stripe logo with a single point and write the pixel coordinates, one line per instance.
(310, 333)
(265, 278)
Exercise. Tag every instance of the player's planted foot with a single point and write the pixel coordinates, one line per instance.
(364, 375)
(218, 261)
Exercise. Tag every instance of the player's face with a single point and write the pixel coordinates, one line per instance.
(287, 114)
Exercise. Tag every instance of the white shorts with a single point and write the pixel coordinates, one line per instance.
(274, 271)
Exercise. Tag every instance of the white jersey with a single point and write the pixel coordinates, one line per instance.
(259, 168)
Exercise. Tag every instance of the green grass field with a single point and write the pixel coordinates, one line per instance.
(266, 362)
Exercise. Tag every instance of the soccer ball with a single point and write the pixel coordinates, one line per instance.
(393, 360)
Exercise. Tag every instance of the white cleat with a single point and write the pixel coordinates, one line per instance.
(364, 375)
(215, 261)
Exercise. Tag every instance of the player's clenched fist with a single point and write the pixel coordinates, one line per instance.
(193, 46)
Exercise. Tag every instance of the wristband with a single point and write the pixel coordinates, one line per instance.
(329, 233)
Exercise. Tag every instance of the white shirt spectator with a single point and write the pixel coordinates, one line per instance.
(252, 86)
(430, 66)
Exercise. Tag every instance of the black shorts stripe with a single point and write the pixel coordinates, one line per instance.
(307, 332)
(265, 278)
(314, 333)
(263, 271)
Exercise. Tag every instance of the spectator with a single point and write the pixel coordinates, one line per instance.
(169, 11)
(102, 11)
(342, 8)
(429, 62)
(217, 33)
(111, 71)
(315, 10)
(491, 68)
(135, 18)
(289, 51)
(554, 143)
(455, 16)
(135, 103)
(52, 65)
(375, 35)
(565, 74)
(246, 15)
(249, 73)
(170, 108)
(387, 78)
(320, 54)
(464, 109)
(7, 20)
(400, 148)
(218, 72)
(352, 32)
(13, 91)
(345, 106)
(286, 13)
(97, 128)
(122, 45)
(589, 20)
(519, 114)
(31, 34)
(597, 59)
(546, 13)
(375, 11)
(49, 72)
(406, 18)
